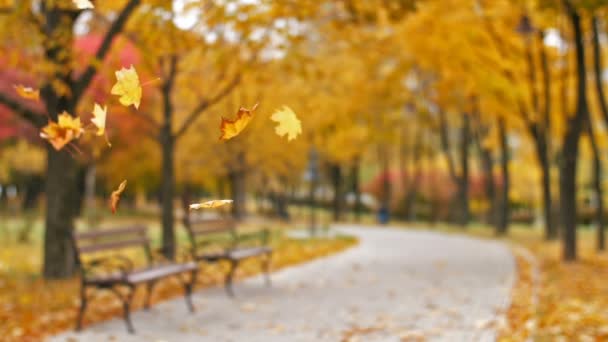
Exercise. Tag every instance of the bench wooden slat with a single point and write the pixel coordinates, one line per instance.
(140, 230)
(97, 247)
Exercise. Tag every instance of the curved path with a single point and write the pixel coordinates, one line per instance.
(396, 285)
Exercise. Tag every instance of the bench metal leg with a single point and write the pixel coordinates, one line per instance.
(126, 303)
(149, 289)
(188, 285)
(83, 306)
(266, 265)
(230, 276)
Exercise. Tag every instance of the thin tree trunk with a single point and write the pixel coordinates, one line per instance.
(502, 223)
(463, 182)
(571, 141)
(597, 186)
(597, 166)
(237, 188)
(356, 189)
(167, 141)
(336, 176)
(167, 192)
(597, 70)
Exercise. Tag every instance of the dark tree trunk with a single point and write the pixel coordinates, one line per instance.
(463, 181)
(488, 180)
(503, 216)
(336, 178)
(356, 190)
(167, 191)
(542, 155)
(62, 194)
(542, 146)
(597, 166)
(571, 141)
(597, 186)
(237, 179)
(167, 141)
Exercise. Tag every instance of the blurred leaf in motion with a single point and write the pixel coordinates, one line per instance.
(127, 87)
(288, 123)
(232, 128)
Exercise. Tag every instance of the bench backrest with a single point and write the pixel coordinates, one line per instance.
(200, 231)
(105, 240)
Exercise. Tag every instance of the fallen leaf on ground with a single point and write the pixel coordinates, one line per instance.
(27, 92)
(127, 87)
(62, 132)
(115, 197)
(289, 124)
(232, 128)
(210, 204)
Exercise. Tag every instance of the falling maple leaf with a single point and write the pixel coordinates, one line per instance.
(27, 92)
(127, 87)
(210, 204)
(288, 123)
(232, 128)
(99, 118)
(83, 4)
(62, 132)
(115, 197)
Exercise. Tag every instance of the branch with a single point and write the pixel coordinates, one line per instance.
(206, 103)
(83, 82)
(35, 118)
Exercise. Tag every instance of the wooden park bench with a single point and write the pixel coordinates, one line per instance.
(101, 267)
(218, 240)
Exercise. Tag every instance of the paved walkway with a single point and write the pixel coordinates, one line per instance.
(396, 285)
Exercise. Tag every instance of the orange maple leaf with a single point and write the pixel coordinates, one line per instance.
(62, 132)
(232, 128)
(115, 197)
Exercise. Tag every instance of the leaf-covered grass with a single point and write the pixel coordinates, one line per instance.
(572, 297)
(31, 308)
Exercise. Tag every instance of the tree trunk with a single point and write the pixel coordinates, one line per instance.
(489, 186)
(167, 191)
(238, 192)
(358, 206)
(463, 181)
(502, 223)
(61, 193)
(597, 187)
(571, 141)
(542, 155)
(597, 166)
(336, 177)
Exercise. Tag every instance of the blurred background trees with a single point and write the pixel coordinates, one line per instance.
(428, 110)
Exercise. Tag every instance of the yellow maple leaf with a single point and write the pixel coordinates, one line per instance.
(99, 118)
(83, 4)
(288, 123)
(210, 204)
(232, 128)
(127, 87)
(27, 92)
(62, 132)
(115, 197)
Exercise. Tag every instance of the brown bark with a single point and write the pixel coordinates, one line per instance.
(597, 166)
(503, 216)
(357, 189)
(571, 141)
(336, 177)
